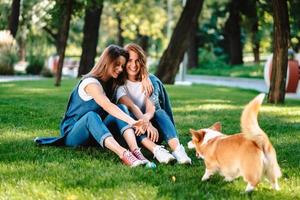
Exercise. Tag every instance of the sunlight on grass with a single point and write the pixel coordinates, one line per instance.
(206, 107)
(29, 171)
(7, 85)
(37, 90)
(217, 101)
(290, 114)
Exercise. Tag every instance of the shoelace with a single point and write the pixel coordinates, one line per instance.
(161, 148)
(181, 151)
(130, 156)
(139, 154)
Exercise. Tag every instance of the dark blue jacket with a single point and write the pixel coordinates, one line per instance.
(76, 108)
(160, 97)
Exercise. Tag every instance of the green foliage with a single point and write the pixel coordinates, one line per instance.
(34, 108)
(210, 64)
(209, 60)
(4, 13)
(36, 64)
(7, 60)
(211, 25)
(46, 72)
(294, 12)
(8, 53)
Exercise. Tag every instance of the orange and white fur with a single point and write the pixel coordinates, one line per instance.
(249, 154)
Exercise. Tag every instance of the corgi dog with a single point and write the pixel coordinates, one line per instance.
(249, 154)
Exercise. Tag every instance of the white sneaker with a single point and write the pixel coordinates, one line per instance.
(181, 156)
(162, 155)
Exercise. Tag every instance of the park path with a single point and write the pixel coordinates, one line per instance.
(244, 83)
(19, 78)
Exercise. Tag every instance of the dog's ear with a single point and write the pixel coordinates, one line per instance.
(197, 135)
(217, 126)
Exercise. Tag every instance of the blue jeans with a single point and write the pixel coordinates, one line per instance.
(90, 128)
(162, 122)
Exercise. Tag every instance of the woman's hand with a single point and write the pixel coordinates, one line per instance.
(152, 133)
(147, 86)
(140, 126)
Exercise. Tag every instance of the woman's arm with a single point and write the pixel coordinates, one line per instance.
(152, 132)
(131, 106)
(150, 110)
(101, 99)
(147, 86)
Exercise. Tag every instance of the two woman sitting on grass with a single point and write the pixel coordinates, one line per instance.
(90, 113)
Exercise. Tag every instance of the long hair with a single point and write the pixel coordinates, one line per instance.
(108, 58)
(141, 61)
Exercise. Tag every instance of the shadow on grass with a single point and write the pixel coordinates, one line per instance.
(92, 169)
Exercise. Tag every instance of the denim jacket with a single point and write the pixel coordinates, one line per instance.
(160, 97)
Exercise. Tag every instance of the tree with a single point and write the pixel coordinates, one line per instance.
(137, 24)
(120, 30)
(173, 55)
(13, 21)
(63, 36)
(90, 36)
(193, 48)
(233, 33)
(295, 24)
(280, 57)
(255, 41)
(249, 9)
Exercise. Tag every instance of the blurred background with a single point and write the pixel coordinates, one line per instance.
(219, 34)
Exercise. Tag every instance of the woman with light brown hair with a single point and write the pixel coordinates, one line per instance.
(160, 124)
(90, 111)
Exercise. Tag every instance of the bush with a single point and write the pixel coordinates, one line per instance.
(8, 53)
(207, 59)
(210, 64)
(36, 64)
(46, 72)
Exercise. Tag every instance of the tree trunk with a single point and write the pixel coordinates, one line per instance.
(143, 41)
(63, 37)
(254, 30)
(280, 58)
(255, 41)
(13, 20)
(193, 49)
(90, 38)
(173, 55)
(233, 33)
(120, 30)
(22, 48)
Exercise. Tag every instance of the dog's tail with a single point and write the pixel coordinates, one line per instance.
(249, 122)
(252, 130)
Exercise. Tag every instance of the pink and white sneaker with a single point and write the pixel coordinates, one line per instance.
(138, 154)
(130, 160)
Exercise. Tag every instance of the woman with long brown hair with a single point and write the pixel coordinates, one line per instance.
(90, 111)
(159, 118)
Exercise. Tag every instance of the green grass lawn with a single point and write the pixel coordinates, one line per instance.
(244, 71)
(35, 108)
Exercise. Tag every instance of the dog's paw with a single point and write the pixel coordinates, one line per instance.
(249, 188)
(276, 187)
(228, 179)
(204, 177)
(191, 145)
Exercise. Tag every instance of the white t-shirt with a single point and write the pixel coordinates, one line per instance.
(81, 89)
(134, 91)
